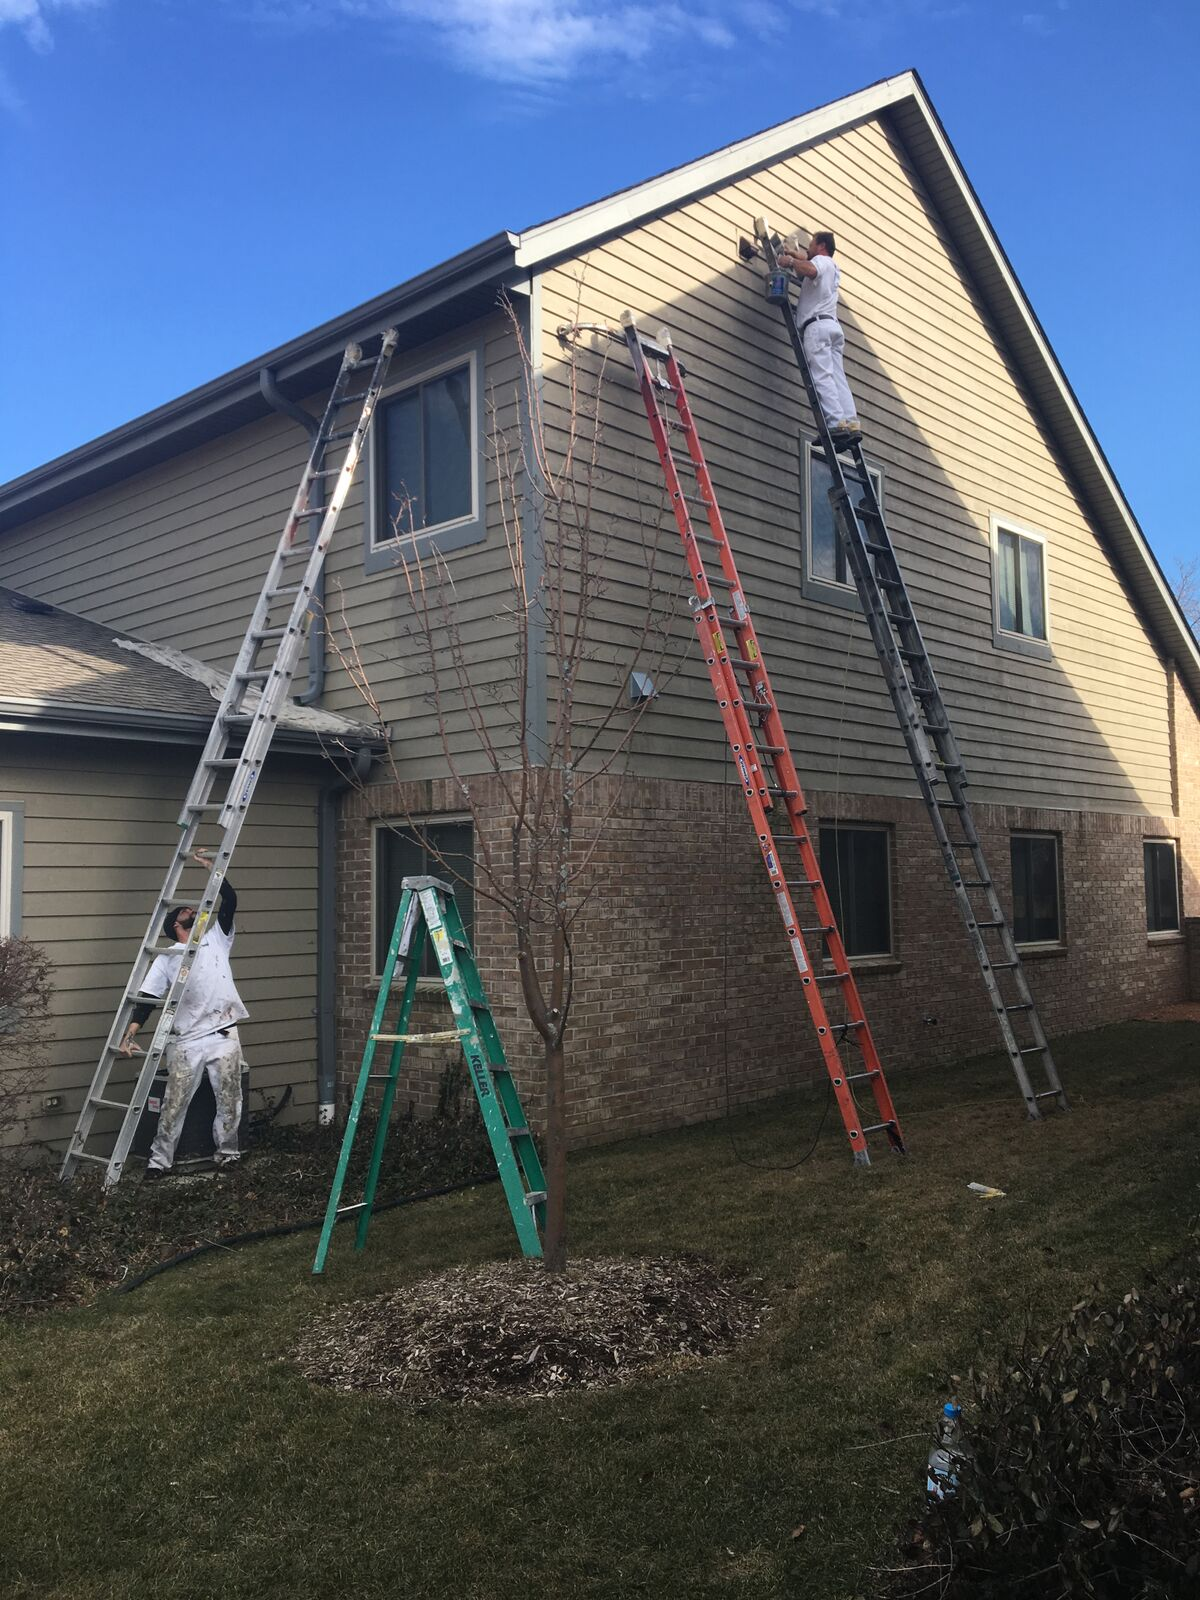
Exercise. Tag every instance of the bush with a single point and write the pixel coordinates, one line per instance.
(1086, 1478)
(25, 991)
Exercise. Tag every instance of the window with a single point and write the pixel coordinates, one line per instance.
(12, 818)
(424, 462)
(1162, 885)
(826, 568)
(1037, 916)
(1020, 610)
(855, 866)
(400, 853)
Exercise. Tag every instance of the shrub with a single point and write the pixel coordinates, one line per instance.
(25, 991)
(1086, 1477)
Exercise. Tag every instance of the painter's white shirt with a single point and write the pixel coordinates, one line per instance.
(210, 1000)
(819, 296)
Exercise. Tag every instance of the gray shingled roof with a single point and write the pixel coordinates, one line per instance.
(54, 662)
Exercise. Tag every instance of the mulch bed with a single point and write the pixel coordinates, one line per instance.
(511, 1330)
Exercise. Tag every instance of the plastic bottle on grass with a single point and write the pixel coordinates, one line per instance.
(950, 1450)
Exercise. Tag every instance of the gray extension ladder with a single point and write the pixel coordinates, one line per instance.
(428, 910)
(265, 666)
(925, 724)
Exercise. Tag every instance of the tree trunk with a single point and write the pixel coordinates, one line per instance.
(554, 1240)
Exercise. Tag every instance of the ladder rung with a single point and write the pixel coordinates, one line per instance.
(824, 927)
(349, 399)
(831, 977)
(111, 1105)
(225, 761)
(445, 1036)
(989, 922)
(1003, 966)
(876, 549)
(326, 472)
(360, 1205)
(959, 805)
(535, 1197)
(517, 1133)
(1034, 1050)
(208, 806)
(1048, 1094)
(976, 883)
(263, 635)
(878, 1127)
(254, 675)
(82, 1155)
(1023, 1005)
(340, 435)
(845, 1027)
(857, 1077)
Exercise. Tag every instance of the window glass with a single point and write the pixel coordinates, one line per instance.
(6, 868)
(1036, 914)
(1020, 585)
(400, 853)
(425, 474)
(1162, 886)
(826, 549)
(854, 864)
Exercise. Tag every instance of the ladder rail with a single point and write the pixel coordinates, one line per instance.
(921, 712)
(243, 778)
(735, 713)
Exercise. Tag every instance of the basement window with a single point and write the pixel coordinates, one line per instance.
(1037, 898)
(443, 849)
(1161, 865)
(826, 573)
(424, 464)
(1020, 606)
(856, 866)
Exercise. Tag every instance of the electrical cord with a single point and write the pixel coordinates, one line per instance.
(285, 1228)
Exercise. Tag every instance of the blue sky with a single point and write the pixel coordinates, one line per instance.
(190, 182)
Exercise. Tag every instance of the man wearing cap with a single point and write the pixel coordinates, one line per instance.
(205, 1037)
(824, 341)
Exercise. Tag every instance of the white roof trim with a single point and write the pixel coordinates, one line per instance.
(576, 228)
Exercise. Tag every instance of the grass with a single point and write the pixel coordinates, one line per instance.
(159, 1444)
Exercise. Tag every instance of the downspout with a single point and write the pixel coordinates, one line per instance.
(279, 402)
(327, 810)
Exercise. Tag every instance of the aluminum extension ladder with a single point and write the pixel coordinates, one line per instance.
(925, 724)
(265, 666)
(764, 737)
(428, 909)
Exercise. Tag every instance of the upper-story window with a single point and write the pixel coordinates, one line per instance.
(1020, 606)
(425, 452)
(827, 575)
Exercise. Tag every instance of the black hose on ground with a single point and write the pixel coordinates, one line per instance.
(290, 1227)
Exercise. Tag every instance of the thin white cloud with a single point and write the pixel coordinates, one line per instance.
(33, 17)
(527, 44)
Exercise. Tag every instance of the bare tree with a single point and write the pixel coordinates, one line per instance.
(1187, 591)
(550, 485)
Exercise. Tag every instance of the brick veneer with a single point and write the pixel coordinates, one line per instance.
(684, 987)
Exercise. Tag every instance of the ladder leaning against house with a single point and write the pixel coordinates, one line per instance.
(239, 740)
(924, 722)
(759, 745)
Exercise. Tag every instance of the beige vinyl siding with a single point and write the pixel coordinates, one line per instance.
(950, 428)
(100, 824)
(178, 553)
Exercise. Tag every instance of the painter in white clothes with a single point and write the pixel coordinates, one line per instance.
(817, 319)
(205, 1036)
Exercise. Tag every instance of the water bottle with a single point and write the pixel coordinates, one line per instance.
(947, 1455)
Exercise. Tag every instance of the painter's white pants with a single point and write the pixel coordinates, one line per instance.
(220, 1056)
(824, 342)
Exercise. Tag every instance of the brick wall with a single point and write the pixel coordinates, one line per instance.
(685, 991)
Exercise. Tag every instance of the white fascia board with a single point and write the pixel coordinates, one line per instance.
(576, 229)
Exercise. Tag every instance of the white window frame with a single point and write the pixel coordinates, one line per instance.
(857, 825)
(12, 837)
(826, 590)
(381, 554)
(1058, 943)
(404, 825)
(1003, 638)
(1177, 930)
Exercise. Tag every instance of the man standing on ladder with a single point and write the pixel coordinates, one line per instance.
(206, 1031)
(824, 341)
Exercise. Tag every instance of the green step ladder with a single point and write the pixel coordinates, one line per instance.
(428, 910)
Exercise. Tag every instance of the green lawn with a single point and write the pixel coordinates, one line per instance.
(159, 1443)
